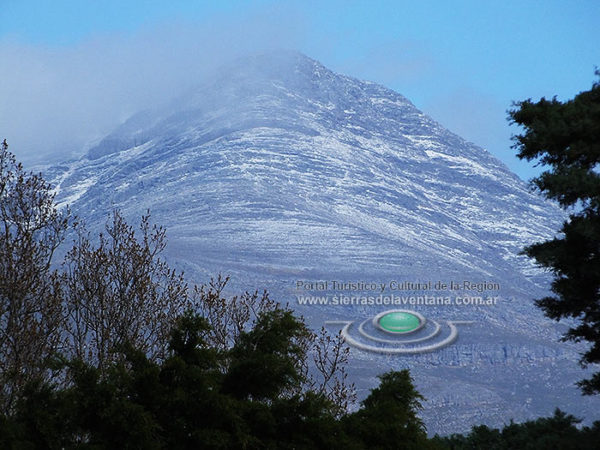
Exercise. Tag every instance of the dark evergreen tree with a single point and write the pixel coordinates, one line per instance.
(565, 138)
(265, 364)
(192, 410)
(389, 418)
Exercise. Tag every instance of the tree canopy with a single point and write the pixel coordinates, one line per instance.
(565, 138)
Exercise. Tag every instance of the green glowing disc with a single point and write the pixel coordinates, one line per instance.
(399, 322)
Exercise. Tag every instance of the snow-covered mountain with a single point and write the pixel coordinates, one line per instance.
(284, 174)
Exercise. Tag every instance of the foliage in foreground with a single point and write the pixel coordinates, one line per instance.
(565, 138)
(245, 397)
(200, 396)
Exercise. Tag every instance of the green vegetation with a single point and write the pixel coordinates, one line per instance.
(565, 138)
(251, 396)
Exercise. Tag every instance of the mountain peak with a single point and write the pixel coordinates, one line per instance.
(283, 58)
(282, 84)
(276, 64)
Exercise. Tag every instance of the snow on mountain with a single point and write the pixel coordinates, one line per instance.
(278, 170)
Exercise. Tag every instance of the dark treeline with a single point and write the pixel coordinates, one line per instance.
(250, 397)
(558, 432)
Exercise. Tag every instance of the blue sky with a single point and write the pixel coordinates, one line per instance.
(74, 69)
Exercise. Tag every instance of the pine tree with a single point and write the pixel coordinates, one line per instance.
(565, 138)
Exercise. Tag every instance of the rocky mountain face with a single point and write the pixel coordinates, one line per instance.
(290, 177)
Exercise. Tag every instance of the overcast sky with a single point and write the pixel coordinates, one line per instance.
(73, 70)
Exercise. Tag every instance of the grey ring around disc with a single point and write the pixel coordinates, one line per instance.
(433, 334)
(401, 351)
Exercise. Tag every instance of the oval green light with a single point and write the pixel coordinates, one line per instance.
(399, 322)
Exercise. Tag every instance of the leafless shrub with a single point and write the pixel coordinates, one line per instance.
(31, 229)
(228, 318)
(330, 356)
(121, 291)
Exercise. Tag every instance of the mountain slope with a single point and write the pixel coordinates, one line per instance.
(278, 170)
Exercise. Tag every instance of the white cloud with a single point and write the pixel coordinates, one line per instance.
(56, 102)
